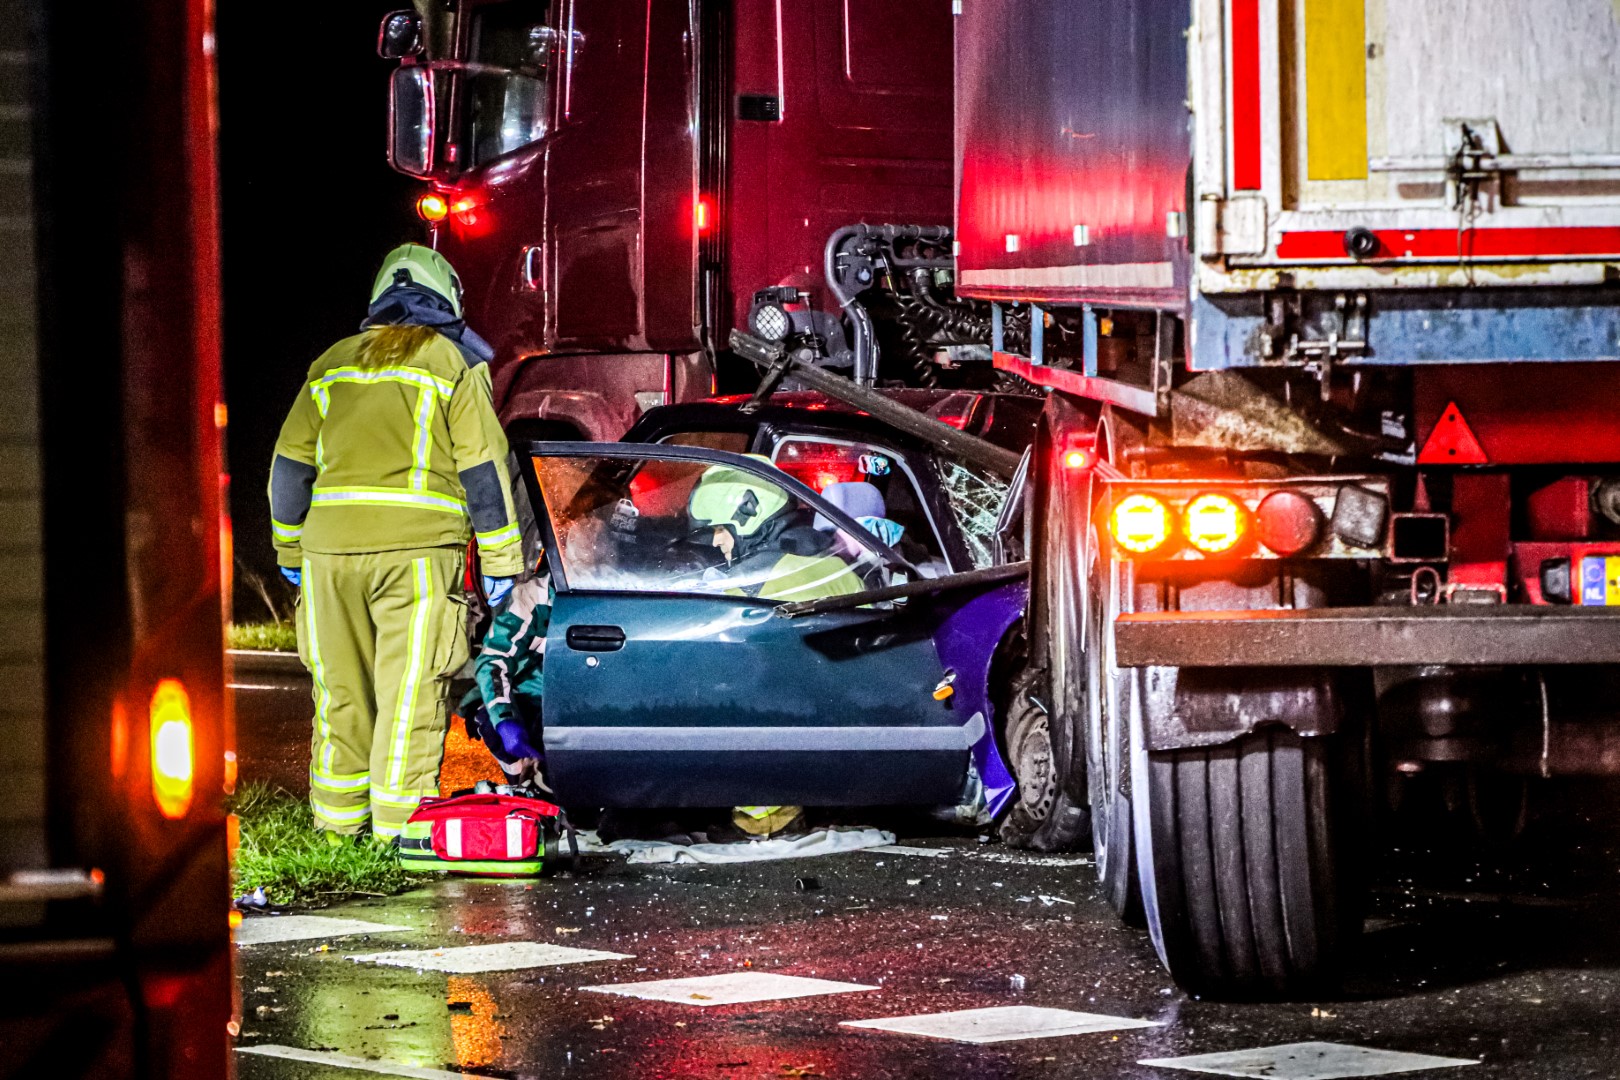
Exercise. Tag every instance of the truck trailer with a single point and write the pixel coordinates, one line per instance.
(620, 183)
(1325, 500)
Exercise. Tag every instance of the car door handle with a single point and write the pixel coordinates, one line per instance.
(595, 638)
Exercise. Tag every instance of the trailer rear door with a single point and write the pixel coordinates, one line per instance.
(1477, 132)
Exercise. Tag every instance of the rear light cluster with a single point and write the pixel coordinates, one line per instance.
(1189, 522)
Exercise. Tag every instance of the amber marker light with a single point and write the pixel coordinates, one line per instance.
(432, 207)
(1140, 523)
(1215, 523)
(1079, 460)
(171, 748)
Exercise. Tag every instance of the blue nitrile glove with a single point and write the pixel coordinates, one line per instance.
(496, 588)
(296, 577)
(515, 740)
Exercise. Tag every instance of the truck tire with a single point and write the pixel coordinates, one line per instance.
(1249, 879)
(1107, 703)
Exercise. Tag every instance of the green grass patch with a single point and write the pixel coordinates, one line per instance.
(262, 637)
(281, 849)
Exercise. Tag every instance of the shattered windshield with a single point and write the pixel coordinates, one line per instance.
(681, 526)
(976, 500)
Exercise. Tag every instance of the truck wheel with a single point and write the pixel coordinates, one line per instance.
(1246, 869)
(1108, 750)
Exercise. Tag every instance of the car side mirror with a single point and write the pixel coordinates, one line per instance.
(400, 35)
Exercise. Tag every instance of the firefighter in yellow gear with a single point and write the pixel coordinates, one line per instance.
(390, 461)
(751, 521)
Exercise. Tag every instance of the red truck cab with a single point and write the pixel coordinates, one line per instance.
(614, 179)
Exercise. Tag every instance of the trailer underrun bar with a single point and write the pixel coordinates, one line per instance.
(1461, 635)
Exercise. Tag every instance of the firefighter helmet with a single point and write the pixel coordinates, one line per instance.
(727, 495)
(413, 264)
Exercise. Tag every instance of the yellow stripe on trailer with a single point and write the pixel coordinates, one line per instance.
(1336, 89)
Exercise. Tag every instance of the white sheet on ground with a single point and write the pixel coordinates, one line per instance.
(820, 842)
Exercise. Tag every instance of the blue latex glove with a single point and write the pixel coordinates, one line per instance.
(496, 588)
(515, 740)
(296, 577)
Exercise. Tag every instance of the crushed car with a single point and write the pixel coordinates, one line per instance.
(780, 602)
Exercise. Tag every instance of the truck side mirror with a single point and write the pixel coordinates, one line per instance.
(411, 112)
(400, 35)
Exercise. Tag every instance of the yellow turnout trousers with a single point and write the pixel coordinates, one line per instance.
(381, 635)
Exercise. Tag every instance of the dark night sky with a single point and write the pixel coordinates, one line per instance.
(308, 206)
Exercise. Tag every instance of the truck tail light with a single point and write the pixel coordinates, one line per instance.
(1288, 522)
(1140, 523)
(432, 207)
(172, 746)
(1215, 523)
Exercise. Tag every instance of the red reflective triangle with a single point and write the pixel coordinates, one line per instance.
(1452, 442)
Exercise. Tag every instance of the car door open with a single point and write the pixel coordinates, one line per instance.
(669, 680)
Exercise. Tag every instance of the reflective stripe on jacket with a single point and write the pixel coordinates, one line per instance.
(389, 458)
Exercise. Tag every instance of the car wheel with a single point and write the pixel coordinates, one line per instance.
(1043, 817)
(1249, 873)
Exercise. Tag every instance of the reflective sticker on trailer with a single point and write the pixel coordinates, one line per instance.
(1600, 581)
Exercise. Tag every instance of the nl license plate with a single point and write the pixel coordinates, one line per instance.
(1600, 580)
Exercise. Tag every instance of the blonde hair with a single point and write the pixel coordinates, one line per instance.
(393, 346)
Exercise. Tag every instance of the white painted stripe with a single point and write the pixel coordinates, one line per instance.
(1159, 275)
(452, 837)
(920, 852)
(269, 929)
(1308, 1061)
(1004, 1023)
(501, 956)
(343, 1061)
(732, 988)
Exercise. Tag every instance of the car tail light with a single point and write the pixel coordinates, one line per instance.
(1215, 523)
(1140, 523)
(1288, 522)
(703, 214)
(171, 748)
(432, 207)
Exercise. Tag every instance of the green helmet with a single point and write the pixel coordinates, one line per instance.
(422, 267)
(726, 495)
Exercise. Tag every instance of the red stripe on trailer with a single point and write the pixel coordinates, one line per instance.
(1449, 244)
(1246, 95)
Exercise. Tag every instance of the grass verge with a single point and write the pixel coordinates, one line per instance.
(281, 850)
(262, 637)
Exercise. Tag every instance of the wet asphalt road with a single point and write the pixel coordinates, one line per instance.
(1518, 968)
(1511, 958)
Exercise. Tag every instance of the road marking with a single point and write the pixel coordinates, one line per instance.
(902, 849)
(1308, 1061)
(268, 929)
(475, 959)
(1004, 1023)
(344, 1061)
(732, 988)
